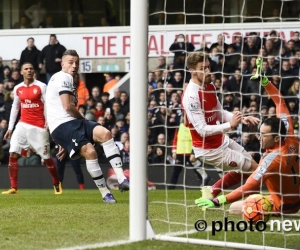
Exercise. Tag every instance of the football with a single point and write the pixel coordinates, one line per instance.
(257, 207)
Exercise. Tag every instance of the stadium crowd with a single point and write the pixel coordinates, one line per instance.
(231, 66)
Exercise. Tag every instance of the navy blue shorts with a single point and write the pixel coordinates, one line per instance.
(73, 135)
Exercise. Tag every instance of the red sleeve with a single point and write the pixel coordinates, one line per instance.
(174, 145)
(282, 111)
(250, 187)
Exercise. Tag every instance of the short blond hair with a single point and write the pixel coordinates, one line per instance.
(194, 58)
(70, 52)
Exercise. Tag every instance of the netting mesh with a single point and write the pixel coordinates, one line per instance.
(233, 34)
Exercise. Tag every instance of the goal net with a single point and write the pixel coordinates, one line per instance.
(233, 34)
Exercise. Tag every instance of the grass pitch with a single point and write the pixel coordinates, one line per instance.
(38, 219)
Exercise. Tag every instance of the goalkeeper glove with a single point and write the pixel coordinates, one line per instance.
(210, 203)
(258, 76)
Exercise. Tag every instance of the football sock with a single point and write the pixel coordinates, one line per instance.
(13, 172)
(112, 154)
(51, 166)
(197, 164)
(228, 180)
(95, 171)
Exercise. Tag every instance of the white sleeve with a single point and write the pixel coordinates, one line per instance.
(223, 115)
(196, 117)
(14, 111)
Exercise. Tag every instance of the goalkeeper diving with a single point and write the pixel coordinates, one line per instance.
(279, 166)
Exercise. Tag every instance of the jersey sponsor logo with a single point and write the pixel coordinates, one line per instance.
(211, 118)
(74, 140)
(29, 105)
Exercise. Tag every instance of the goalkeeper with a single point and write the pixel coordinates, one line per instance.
(279, 166)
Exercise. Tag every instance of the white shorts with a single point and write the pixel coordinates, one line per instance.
(229, 156)
(28, 136)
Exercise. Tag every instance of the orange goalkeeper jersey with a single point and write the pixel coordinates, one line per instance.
(278, 168)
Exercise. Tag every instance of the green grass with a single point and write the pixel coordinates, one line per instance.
(38, 219)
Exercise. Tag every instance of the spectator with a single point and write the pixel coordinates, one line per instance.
(99, 110)
(151, 80)
(82, 91)
(238, 43)
(180, 47)
(110, 82)
(220, 44)
(31, 54)
(150, 154)
(52, 54)
(105, 100)
(116, 111)
(22, 24)
(96, 94)
(116, 98)
(6, 74)
(162, 63)
(290, 48)
(159, 155)
(124, 103)
(296, 40)
(14, 65)
(178, 80)
(272, 63)
(47, 23)
(36, 13)
(8, 101)
(125, 152)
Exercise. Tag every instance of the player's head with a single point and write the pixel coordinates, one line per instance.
(27, 71)
(199, 67)
(70, 62)
(272, 131)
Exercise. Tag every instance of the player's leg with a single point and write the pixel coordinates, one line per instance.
(18, 142)
(38, 139)
(233, 157)
(89, 153)
(61, 165)
(103, 136)
(199, 168)
(176, 171)
(77, 169)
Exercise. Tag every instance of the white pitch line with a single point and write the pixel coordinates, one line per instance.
(192, 231)
(97, 245)
(121, 242)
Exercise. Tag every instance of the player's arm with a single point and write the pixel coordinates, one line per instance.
(196, 117)
(67, 102)
(13, 115)
(66, 95)
(226, 116)
(174, 143)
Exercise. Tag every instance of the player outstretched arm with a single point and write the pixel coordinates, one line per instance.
(282, 111)
(13, 114)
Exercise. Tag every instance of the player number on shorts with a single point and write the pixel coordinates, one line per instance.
(86, 66)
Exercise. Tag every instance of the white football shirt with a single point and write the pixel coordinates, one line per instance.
(60, 83)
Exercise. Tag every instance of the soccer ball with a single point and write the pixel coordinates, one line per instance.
(257, 207)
